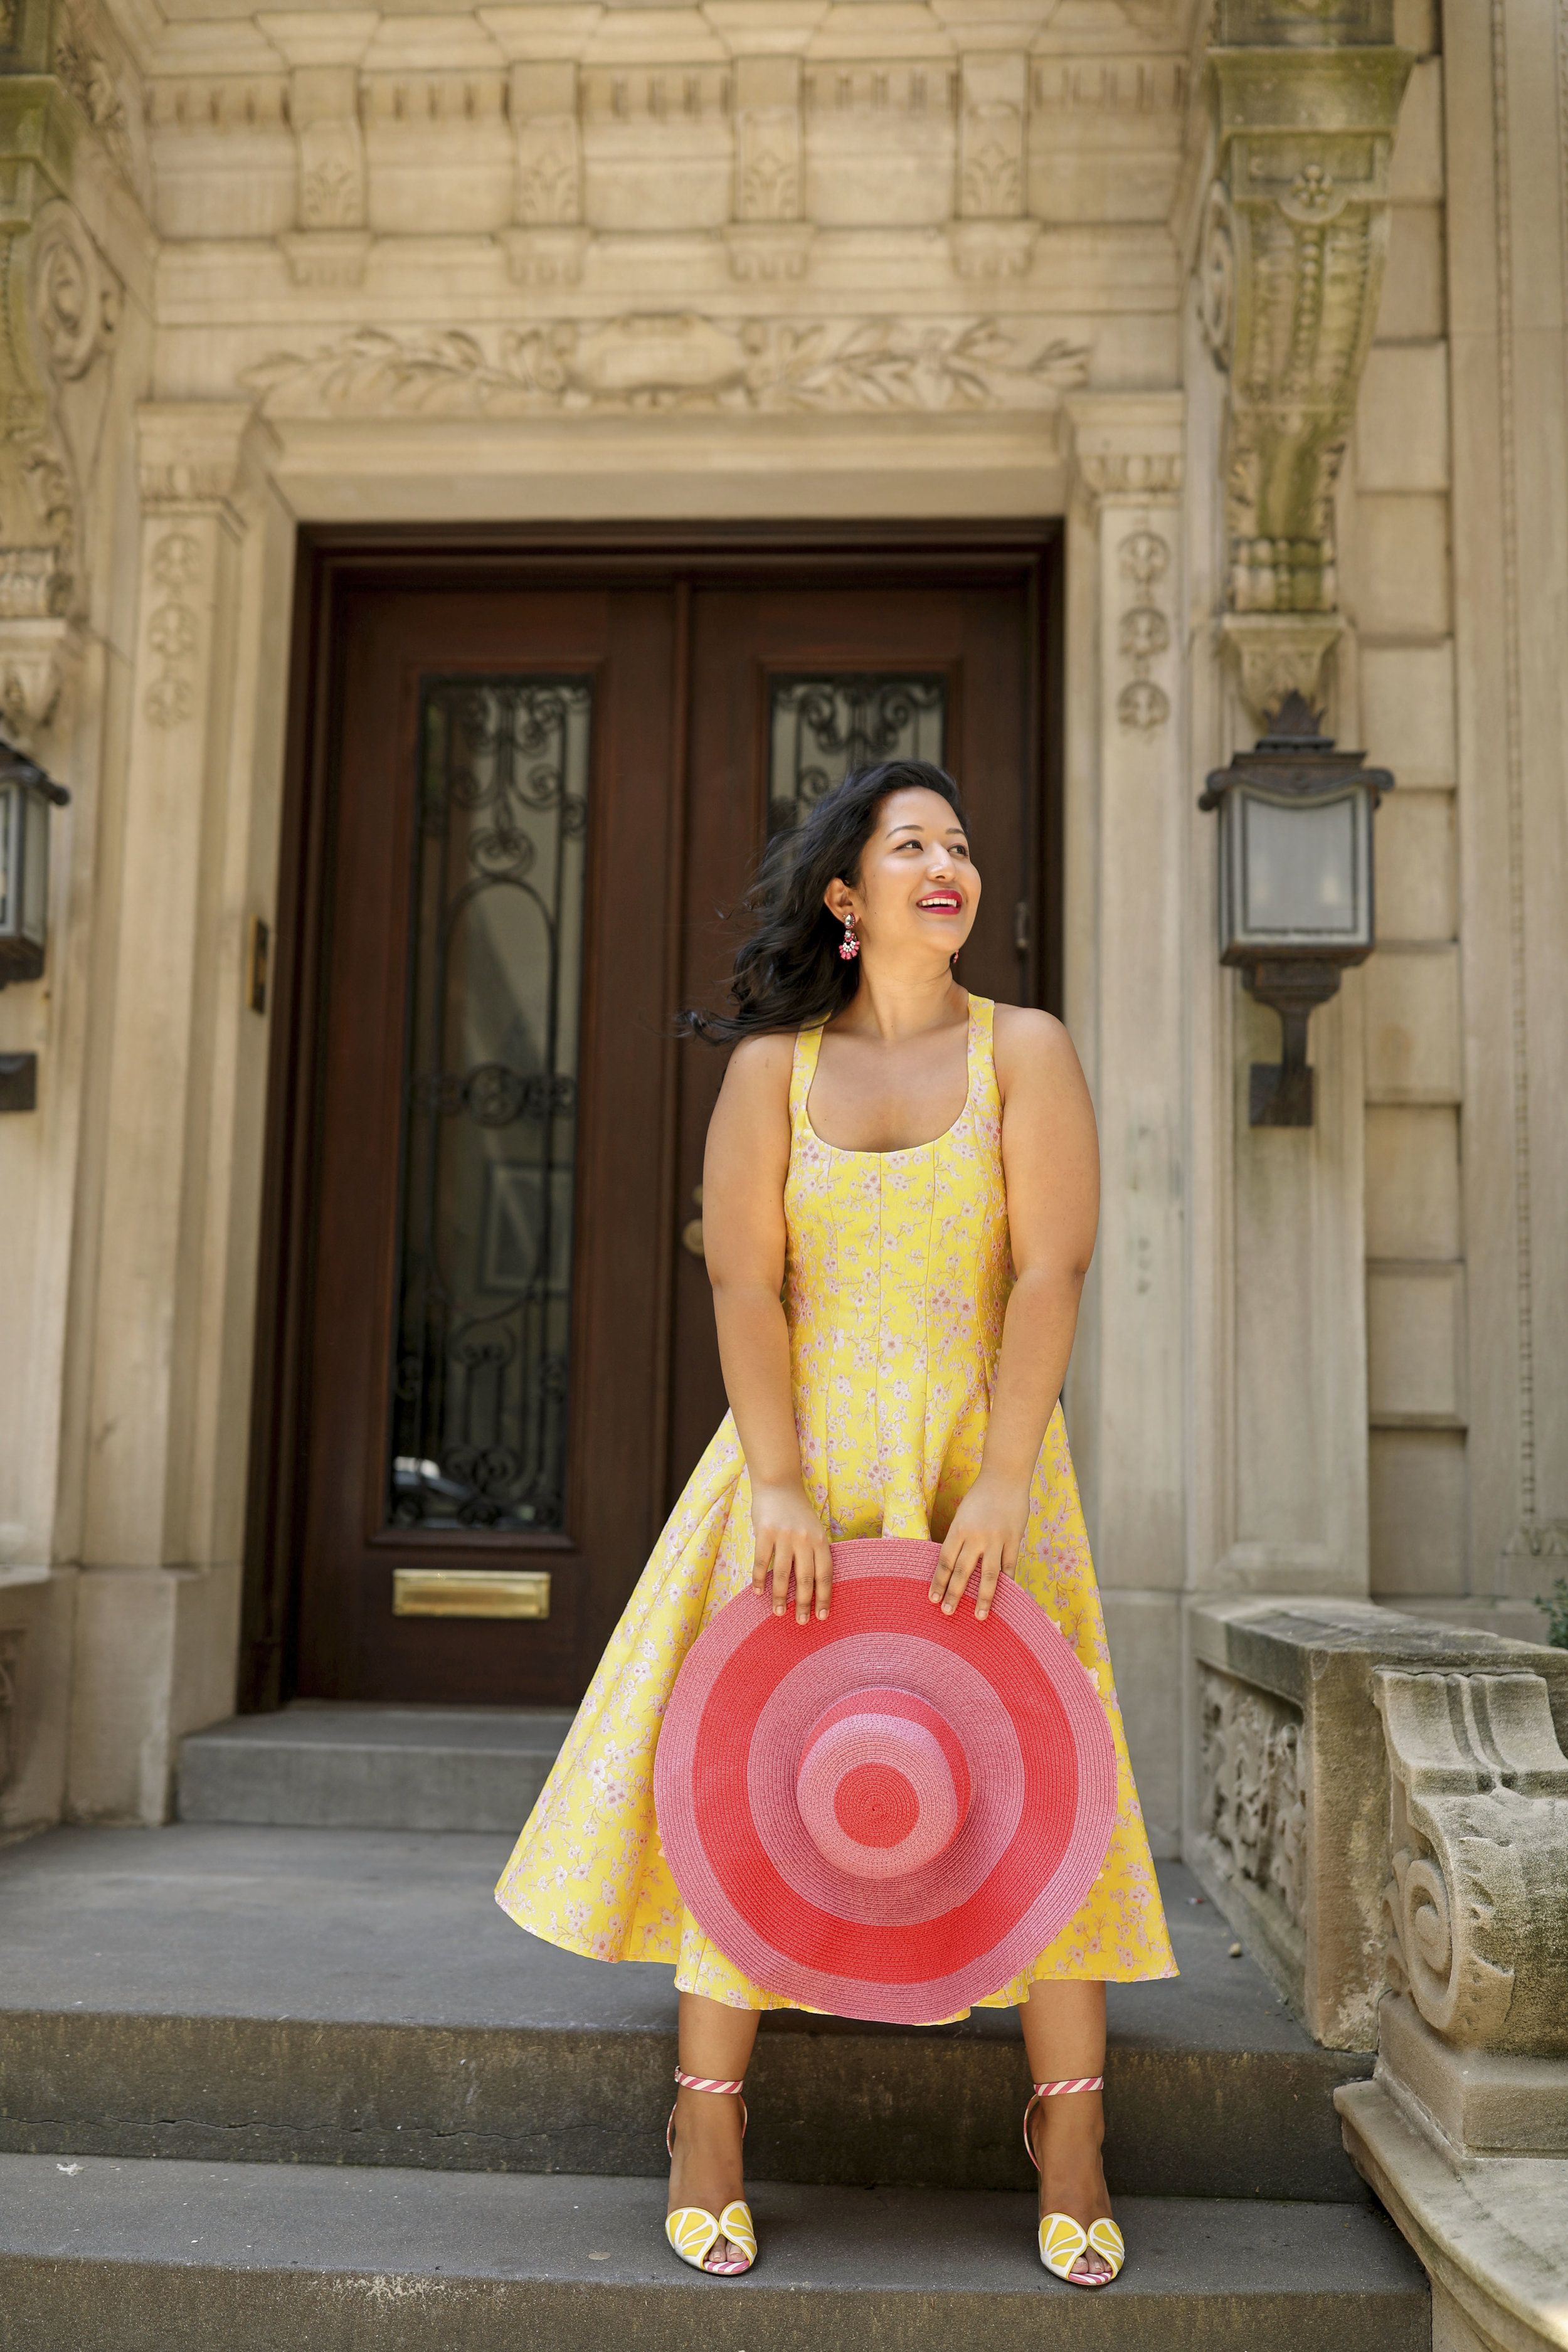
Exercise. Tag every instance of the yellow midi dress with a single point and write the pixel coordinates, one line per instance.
(898, 1273)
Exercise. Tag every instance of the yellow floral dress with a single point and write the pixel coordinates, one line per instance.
(898, 1275)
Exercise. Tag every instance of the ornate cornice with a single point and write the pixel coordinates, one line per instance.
(201, 456)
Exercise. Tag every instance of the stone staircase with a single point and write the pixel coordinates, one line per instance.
(266, 2085)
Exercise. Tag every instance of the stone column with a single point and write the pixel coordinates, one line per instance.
(1127, 802)
(1507, 138)
(159, 1594)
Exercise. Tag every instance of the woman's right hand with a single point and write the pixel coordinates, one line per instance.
(790, 1537)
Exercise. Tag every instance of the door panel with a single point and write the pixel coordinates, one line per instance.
(485, 1318)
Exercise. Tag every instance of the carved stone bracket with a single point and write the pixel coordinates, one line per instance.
(330, 245)
(1477, 1907)
(1290, 271)
(1278, 654)
(990, 238)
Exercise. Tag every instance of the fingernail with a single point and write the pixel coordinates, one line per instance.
(821, 1614)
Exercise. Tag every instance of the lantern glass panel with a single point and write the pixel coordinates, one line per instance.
(10, 857)
(1300, 870)
(35, 879)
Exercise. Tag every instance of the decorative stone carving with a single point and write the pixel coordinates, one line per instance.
(1280, 654)
(768, 174)
(1291, 268)
(63, 304)
(172, 635)
(1477, 1906)
(85, 72)
(331, 243)
(1143, 632)
(679, 361)
(1253, 1804)
(991, 165)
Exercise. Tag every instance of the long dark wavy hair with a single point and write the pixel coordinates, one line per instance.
(789, 973)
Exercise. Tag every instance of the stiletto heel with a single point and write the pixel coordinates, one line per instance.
(1063, 2240)
(692, 2230)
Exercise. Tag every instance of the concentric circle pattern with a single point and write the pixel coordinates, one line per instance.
(887, 1815)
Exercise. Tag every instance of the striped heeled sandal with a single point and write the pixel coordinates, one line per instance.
(1063, 2240)
(692, 2231)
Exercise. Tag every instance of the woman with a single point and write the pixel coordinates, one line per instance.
(916, 1170)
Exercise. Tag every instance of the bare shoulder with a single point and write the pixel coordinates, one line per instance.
(1033, 1051)
(758, 1071)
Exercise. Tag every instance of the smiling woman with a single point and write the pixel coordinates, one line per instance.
(899, 1198)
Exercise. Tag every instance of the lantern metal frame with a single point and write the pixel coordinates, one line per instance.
(1293, 766)
(27, 796)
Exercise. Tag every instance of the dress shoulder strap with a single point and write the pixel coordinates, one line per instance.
(984, 1093)
(803, 1069)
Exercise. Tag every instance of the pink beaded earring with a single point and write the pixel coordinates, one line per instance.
(849, 946)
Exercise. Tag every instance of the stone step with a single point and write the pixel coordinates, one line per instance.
(314, 1766)
(176, 2257)
(355, 1997)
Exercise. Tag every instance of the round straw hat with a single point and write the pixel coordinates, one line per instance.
(889, 1814)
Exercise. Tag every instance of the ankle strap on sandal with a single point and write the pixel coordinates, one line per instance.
(704, 2083)
(1084, 2082)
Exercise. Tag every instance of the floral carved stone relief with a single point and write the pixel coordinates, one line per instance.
(682, 361)
(1253, 1805)
(1143, 632)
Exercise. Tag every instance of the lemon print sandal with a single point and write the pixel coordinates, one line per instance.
(1063, 2240)
(692, 2231)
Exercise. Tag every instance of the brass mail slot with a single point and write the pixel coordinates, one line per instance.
(470, 1593)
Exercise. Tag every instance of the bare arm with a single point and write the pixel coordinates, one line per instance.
(743, 1173)
(1050, 1158)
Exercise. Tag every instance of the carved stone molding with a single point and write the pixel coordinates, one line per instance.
(1252, 1801)
(1277, 654)
(1289, 272)
(1128, 475)
(992, 248)
(1477, 1908)
(545, 256)
(681, 360)
(201, 456)
(769, 250)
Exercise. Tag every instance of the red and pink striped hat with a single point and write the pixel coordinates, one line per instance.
(889, 1814)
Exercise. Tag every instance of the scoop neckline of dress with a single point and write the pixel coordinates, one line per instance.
(902, 1151)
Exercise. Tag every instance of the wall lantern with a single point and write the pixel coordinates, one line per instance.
(1295, 884)
(26, 795)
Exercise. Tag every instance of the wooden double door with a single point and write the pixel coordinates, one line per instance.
(538, 802)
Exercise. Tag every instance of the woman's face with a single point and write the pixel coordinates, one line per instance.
(917, 881)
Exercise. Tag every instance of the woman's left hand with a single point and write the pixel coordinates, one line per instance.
(987, 1532)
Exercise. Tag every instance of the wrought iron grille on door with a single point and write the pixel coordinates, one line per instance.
(490, 1100)
(820, 727)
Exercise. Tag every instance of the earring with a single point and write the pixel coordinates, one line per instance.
(849, 946)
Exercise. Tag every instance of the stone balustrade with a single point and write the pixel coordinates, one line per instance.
(1380, 1806)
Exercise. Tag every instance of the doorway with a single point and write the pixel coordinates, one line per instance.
(530, 788)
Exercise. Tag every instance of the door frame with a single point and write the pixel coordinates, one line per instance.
(332, 560)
